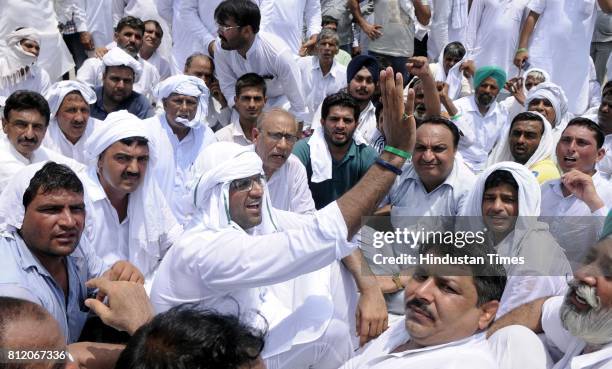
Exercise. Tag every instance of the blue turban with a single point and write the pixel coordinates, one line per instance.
(359, 62)
(483, 73)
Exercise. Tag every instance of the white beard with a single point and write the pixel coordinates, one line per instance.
(594, 326)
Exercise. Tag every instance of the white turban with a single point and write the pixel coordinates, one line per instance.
(219, 164)
(14, 59)
(59, 90)
(117, 57)
(189, 86)
(147, 222)
(11, 199)
(536, 70)
(545, 149)
(552, 93)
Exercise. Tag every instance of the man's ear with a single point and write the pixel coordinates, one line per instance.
(600, 153)
(254, 134)
(488, 310)
(4, 125)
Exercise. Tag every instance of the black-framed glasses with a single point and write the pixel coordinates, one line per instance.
(277, 136)
(226, 28)
(246, 184)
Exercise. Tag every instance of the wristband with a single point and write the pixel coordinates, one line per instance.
(406, 116)
(401, 153)
(456, 117)
(388, 166)
(521, 50)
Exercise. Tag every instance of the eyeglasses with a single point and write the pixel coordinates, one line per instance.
(277, 136)
(246, 184)
(226, 28)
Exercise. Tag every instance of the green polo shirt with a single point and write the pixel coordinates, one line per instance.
(345, 173)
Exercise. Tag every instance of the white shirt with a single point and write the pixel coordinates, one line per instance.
(56, 140)
(272, 59)
(174, 172)
(92, 69)
(605, 164)
(193, 28)
(216, 114)
(571, 221)
(480, 133)
(289, 189)
(201, 268)
(163, 66)
(233, 132)
(493, 32)
(11, 161)
(409, 197)
(318, 86)
(470, 352)
(571, 346)
(285, 18)
(37, 80)
(100, 21)
(365, 133)
(550, 42)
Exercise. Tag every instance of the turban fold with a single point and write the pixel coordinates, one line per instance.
(496, 73)
(189, 86)
(59, 90)
(116, 57)
(362, 61)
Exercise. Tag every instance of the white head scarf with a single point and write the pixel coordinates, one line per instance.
(538, 70)
(146, 224)
(116, 57)
(13, 59)
(219, 164)
(59, 90)
(12, 210)
(545, 149)
(554, 94)
(320, 157)
(189, 86)
(454, 76)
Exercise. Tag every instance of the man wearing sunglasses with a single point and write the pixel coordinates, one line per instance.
(242, 255)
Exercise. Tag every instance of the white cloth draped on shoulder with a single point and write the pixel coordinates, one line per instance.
(545, 149)
(453, 78)
(146, 221)
(320, 157)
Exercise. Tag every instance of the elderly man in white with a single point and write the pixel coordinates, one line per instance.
(25, 122)
(130, 217)
(242, 253)
(180, 131)
(19, 69)
(70, 124)
(549, 100)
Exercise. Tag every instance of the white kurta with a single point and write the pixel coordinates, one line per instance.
(163, 66)
(230, 269)
(470, 352)
(318, 86)
(11, 161)
(480, 133)
(571, 347)
(560, 45)
(173, 169)
(272, 59)
(39, 14)
(571, 221)
(56, 140)
(289, 189)
(100, 21)
(233, 132)
(285, 18)
(493, 32)
(92, 70)
(605, 164)
(37, 80)
(216, 114)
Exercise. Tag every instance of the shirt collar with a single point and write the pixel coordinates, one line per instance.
(474, 107)
(451, 180)
(26, 258)
(317, 66)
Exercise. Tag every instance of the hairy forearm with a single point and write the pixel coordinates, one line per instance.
(449, 106)
(528, 315)
(422, 12)
(359, 269)
(355, 10)
(363, 198)
(95, 355)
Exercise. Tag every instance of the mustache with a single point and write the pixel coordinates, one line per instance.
(421, 305)
(585, 292)
(127, 175)
(29, 140)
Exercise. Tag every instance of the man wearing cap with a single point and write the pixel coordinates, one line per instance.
(180, 132)
(480, 117)
(18, 67)
(361, 77)
(25, 122)
(116, 92)
(131, 219)
(128, 37)
(70, 124)
(242, 254)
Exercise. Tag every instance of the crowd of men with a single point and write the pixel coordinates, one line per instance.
(204, 184)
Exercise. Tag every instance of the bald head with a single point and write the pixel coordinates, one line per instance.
(201, 66)
(25, 325)
(274, 137)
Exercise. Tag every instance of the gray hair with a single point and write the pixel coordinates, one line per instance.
(328, 33)
(266, 114)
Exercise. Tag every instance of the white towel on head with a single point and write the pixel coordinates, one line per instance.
(14, 59)
(320, 157)
(189, 86)
(117, 57)
(59, 90)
